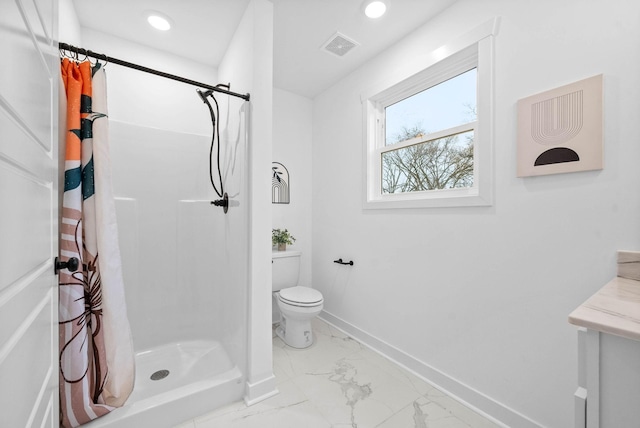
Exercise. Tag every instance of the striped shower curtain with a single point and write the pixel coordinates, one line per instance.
(96, 351)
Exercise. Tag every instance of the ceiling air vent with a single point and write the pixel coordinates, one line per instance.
(339, 44)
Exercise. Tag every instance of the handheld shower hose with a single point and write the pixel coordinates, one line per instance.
(224, 202)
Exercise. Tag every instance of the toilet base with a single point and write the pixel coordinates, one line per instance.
(295, 333)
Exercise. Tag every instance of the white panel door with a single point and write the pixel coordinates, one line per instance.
(29, 76)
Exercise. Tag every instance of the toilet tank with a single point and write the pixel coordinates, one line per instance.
(285, 269)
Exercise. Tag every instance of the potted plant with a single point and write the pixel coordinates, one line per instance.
(281, 238)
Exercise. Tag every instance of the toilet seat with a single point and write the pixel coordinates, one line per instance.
(300, 296)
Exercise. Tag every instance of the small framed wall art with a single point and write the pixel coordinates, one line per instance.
(560, 130)
(279, 183)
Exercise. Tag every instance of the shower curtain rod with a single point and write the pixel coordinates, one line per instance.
(110, 59)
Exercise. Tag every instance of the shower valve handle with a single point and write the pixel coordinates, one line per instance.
(72, 265)
(224, 203)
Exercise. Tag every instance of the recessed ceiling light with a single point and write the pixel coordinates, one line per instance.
(158, 21)
(375, 9)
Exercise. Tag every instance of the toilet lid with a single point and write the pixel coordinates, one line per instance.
(301, 295)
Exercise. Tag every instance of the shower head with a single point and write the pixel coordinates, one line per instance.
(204, 94)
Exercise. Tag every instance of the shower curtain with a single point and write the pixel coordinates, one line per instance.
(96, 351)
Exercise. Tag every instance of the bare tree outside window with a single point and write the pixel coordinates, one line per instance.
(444, 163)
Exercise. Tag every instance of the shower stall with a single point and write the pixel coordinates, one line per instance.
(185, 266)
(185, 260)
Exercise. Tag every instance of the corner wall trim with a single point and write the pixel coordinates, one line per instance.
(259, 391)
(476, 400)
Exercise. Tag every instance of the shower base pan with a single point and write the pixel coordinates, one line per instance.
(177, 382)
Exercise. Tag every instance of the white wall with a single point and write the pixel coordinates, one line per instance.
(248, 63)
(292, 136)
(69, 25)
(148, 100)
(483, 294)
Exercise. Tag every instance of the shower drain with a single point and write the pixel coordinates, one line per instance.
(160, 374)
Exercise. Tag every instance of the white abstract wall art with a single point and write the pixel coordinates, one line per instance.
(561, 130)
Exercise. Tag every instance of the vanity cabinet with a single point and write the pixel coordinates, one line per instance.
(608, 392)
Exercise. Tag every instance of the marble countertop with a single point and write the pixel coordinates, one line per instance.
(615, 309)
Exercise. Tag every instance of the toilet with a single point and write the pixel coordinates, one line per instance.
(298, 305)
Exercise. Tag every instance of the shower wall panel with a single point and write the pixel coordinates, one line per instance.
(177, 256)
(199, 266)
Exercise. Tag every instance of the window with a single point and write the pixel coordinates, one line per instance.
(428, 137)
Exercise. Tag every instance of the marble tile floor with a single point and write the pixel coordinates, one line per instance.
(339, 383)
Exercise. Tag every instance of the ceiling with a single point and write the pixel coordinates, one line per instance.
(203, 29)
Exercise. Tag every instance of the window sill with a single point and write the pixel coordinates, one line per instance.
(468, 197)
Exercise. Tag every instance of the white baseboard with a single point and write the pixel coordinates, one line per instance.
(259, 391)
(472, 398)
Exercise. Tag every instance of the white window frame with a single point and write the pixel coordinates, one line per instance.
(473, 50)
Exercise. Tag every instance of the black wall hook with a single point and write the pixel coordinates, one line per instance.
(340, 262)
